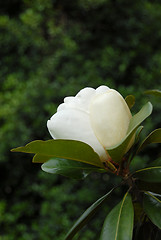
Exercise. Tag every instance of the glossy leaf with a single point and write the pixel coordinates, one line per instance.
(86, 216)
(130, 100)
(153, 92)
(153, 137)
(69, 168)
(40, 158)
(67, 149)
(150, 174)
(152, 207)
(138, 132)
(119, 150)
(119, 222)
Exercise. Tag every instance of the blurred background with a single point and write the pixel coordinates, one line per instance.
(51, 49)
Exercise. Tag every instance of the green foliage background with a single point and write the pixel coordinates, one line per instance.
(51, 49)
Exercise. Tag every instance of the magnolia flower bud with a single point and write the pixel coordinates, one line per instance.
(98, 117)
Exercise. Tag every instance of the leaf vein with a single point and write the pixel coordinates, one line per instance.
(117, 226)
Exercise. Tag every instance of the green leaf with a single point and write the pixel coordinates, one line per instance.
(119, 222)
(155, 163)
(153, 137)
(130, 100)
(69, 168)
(67, 149)
(87, 215)
(138, 132)
(152, 207)
(40, 158)
(153, 92)
(149, 186)
(118, 151)
(149, 174)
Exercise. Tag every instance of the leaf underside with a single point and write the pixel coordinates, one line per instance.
(153, 92)
(69, 168)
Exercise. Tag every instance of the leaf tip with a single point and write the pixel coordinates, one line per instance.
(150, 107)
(14, 149)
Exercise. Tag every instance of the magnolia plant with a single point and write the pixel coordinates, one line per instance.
(96, 132)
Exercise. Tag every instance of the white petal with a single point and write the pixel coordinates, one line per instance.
(85, 93)
(110, 117)
(80, 101)
(69, 99)
(83, 98)
(102, 89)
(75, 124)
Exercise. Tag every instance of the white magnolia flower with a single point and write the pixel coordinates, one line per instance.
(98, 117)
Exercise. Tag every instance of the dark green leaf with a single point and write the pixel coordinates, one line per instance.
(67, 149)
(153, 137)
(138, 132)
(118, 151)
(150, 174)
(69, 168)
(152, 207)
(155, 163)
(149, 186)
(119, 222)
(130, 100)
(86, 216)
(154, 92)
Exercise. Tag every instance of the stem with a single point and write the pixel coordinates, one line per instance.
(137, 196)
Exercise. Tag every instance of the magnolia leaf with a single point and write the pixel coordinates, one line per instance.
(69, 168)
(149, 174)
(152, 207)
(154, 92)
(118, 151)
(119, 222)
(153, 137)
(149, 186)
(138, 132)
(40, 158)
(86, 216)
(130, 100)
(156, 162)
(67, 149)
